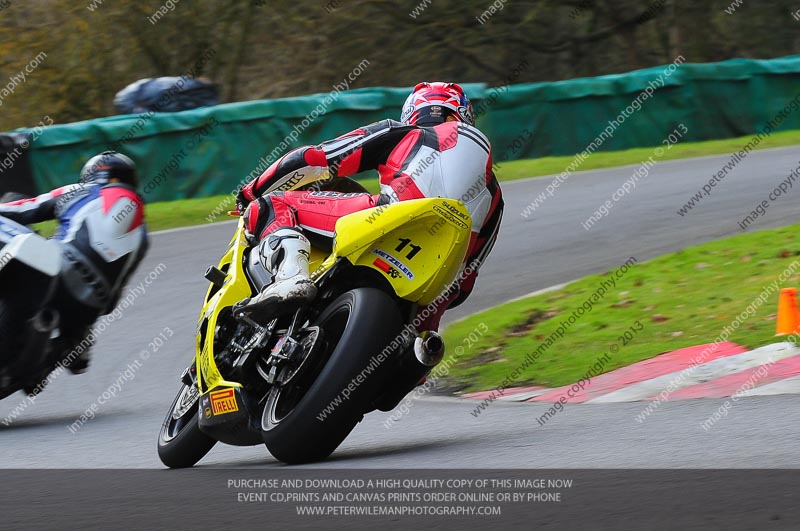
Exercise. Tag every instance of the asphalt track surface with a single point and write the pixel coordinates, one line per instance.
(548, 248)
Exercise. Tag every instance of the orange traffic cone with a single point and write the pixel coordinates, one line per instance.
(788, 314)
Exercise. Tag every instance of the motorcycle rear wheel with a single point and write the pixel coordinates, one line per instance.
(181, 444)
(357, 326)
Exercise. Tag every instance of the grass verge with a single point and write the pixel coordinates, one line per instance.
(682, 299)
(187, 212)
(520, 169)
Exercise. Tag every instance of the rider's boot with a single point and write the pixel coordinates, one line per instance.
(284, 254)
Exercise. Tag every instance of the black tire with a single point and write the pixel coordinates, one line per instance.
(11, 325)
(181, 444)
(357, 326)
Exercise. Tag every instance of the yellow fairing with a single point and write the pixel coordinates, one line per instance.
(234, 290)
(418, 246)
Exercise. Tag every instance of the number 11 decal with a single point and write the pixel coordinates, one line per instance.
(407, 242)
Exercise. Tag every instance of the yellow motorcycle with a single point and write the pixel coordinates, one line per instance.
(302, 382)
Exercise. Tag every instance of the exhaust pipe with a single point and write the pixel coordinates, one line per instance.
(428, 351)
(429, 348)
(45, 321)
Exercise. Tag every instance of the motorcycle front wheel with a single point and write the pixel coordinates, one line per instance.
(181, 444)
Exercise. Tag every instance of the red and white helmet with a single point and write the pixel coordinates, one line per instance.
(434, 103)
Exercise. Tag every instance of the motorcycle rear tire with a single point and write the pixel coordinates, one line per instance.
(373, 321)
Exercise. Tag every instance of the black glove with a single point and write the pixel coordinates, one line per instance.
(241, 201)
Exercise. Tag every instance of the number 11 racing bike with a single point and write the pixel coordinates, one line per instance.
(300, 383)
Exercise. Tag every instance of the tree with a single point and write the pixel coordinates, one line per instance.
(281, 48)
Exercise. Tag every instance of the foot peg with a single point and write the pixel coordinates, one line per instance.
(215, 276)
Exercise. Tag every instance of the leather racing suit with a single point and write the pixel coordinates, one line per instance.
(451, 160)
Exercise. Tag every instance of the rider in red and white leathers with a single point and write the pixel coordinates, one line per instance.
(435, 151)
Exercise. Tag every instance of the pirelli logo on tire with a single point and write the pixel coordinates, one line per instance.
(223, 401)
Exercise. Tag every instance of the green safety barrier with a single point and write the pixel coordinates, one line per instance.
(713, 101)
(212, 150)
